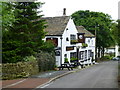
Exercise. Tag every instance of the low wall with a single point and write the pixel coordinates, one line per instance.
(19, 70)
(44, 61)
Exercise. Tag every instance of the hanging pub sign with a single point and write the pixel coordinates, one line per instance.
(81, 38)
(69, 48)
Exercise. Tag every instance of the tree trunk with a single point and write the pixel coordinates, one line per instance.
(102, 52)
(98, 52)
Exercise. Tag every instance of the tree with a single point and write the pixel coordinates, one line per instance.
(116, 32)
(96, 21)
(7, 15)
(26, 34)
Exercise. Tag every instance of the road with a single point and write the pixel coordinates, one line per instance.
(103, 75)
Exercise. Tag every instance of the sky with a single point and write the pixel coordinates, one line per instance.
(53, 8)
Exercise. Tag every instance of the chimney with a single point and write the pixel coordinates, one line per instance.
(64, 11)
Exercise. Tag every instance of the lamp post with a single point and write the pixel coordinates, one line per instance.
(77, 50)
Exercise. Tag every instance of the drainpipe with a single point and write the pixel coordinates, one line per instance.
(61, 51)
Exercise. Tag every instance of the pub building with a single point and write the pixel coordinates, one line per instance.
(71, 42)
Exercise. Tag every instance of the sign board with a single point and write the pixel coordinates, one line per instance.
(69, 48)
(81, 38)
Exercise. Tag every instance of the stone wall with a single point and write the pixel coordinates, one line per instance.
(19, 70)
(44, 61)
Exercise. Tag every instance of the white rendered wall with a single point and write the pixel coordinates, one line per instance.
(71, 30)
(117, 53)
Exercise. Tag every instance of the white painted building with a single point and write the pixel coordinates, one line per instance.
(113, 50)
(69, 40)
(110, 50)
(117, 53)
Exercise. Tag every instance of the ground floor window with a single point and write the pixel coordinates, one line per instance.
(73, 54)
(85, 54)
(89, 53)
(81, 55)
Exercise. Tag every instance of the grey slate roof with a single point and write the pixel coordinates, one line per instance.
(56, 25)
(81, 29)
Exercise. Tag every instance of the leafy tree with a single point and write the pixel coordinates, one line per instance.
(118, 39)
(116, 32)
(25, 36)
(96, 21)
(7, 15)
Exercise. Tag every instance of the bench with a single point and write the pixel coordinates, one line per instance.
(75, 64)
(69, 66)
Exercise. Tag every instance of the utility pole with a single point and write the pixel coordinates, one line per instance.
(95, 45)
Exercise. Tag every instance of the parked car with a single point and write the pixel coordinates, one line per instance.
(116, 58)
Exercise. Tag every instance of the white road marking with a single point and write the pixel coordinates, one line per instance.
(46, 85)
(15, 83)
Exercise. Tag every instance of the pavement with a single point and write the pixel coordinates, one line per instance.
(102, 75)
(36, 81)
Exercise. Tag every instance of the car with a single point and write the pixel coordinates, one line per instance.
(116, 58)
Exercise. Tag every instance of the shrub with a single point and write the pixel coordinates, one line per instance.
(47, 46)
(84, 45)
(66, 60)
(29, 58)
(73, 59)
(46, 60)
(104, 58)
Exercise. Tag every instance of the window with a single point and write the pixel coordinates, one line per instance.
(92, 42)
(73, 54)
(85, 54)
(89, 53)
(88, 40)
(54, 40)
(82, 55)
(65, 55)
(72, 37)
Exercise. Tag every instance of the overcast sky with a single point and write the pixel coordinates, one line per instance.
(53, 8)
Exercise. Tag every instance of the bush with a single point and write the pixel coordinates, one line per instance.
(105, 58)
(29, 58)
(73, 59)
(65, 60)
(47, 46)
(84, 45)
(46, 60)
(19, 70)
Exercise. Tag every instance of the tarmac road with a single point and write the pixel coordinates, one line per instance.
(103, 75)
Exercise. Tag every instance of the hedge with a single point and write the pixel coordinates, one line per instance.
(44, 61)
(19, 70)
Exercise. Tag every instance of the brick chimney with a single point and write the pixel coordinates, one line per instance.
(64, 11)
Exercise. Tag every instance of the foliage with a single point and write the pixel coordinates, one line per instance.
(46, 60)
(84, 45)
(7, 15)
(65, 60)
(116, 32)
(105, 58)
(96, 21)
(29, 58)
(19, 69)
(73, 59)
(24, 37)
(74, 41)
(47, 46)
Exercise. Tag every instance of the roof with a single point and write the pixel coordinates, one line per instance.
(56, 25)
(81, 29)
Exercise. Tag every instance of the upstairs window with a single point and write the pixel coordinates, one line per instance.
(72, 37)
(54, 40)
